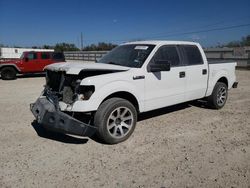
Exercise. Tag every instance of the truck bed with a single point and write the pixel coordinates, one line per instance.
(218, 69)
(220, 61)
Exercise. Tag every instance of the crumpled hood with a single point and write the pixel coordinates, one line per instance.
(76, 68)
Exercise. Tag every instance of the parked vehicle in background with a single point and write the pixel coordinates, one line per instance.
(30, 62)
(16, 53)
(133, 78)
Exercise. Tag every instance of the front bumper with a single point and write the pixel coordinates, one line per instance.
(53, 119)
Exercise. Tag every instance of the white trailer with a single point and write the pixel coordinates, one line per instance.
(12, 53)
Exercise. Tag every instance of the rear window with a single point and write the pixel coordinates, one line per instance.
(58, 56)
(193, 55)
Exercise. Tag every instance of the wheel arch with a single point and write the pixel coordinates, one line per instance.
(223, 79)
(124, 95)
(11, 66)
(219, 77)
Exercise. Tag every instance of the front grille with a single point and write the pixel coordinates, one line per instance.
(67, 95)
(61, 85)
(53, 80)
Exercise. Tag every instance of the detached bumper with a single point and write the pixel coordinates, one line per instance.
(52, 119)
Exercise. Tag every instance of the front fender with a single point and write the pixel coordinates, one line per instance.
(9, 65)
(103, 91)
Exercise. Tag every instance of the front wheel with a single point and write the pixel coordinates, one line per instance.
(219, 96)
(115, 120)
(8, 73)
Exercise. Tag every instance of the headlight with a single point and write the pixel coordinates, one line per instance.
(85, 92)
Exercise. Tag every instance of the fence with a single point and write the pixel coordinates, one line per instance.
(241, 55)
(84, 55)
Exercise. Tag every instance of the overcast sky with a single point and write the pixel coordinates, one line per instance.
(35, 22)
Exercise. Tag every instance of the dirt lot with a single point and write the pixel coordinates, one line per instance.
(181, 146)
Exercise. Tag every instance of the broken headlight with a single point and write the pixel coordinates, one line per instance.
(85, 92)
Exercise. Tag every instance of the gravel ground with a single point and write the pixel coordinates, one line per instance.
(181, 146)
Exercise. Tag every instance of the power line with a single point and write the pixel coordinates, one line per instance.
(171, 34)
(193, 32)
(204, 31)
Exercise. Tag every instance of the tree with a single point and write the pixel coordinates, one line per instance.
(245, 41)
(61, 47)
(47, 47)
(101, 46)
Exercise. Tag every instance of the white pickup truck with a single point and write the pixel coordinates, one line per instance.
(133, 78)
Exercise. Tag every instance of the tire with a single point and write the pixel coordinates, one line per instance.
(8, 73)
(115, 120)
(219, 96)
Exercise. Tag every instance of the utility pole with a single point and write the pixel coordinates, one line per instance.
(81, 42)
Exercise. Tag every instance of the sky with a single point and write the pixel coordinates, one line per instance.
(29, 23)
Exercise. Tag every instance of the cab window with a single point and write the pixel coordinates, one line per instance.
(32, 56)
(168, 53)
(192, 55)
(45, 55)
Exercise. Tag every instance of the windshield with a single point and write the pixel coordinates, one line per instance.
(131, 55)
(22, 56)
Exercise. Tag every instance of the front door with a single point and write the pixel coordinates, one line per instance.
(31, 62)
(165, 88)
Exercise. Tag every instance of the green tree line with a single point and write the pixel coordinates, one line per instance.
(61, 47)
(245, 41)
(101, 46)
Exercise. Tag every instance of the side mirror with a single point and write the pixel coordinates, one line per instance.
(26, 59)
(159, 66)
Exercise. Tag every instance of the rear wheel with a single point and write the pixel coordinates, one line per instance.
(219, 96)
(8, 73)
(115, 119)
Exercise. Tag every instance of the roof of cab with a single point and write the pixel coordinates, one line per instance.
(162, 42)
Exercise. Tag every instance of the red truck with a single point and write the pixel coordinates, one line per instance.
(29, 62)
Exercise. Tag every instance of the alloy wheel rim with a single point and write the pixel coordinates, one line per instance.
(120, 122)
(221, 96)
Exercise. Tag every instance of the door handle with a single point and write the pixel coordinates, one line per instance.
(204, 71)
(138, 77)
(182, 74)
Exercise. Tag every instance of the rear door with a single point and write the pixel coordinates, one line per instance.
(196, 72)
(165, 88)
(46, 59)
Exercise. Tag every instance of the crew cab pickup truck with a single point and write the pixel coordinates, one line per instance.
(30, 62)
(133, 78)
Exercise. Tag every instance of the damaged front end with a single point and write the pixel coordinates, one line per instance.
(67, 88)
(54, 109)
(48, 115)
(61, 91)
